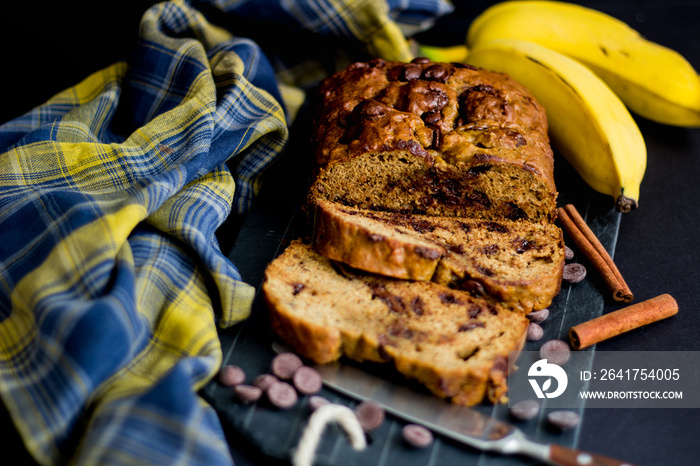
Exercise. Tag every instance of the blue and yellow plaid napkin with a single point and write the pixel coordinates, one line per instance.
(111, 279)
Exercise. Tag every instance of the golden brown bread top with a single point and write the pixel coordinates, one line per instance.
(444, 112)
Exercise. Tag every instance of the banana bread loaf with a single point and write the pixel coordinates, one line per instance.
(517, 263)
(435, 230)
(455, 344)
(433, 138)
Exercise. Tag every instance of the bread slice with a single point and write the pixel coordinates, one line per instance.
(517, 263)
(433, 138)
(455, 344)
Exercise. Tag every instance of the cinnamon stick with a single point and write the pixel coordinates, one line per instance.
(591, 247)
(621, 321)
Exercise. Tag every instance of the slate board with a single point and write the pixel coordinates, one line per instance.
(275, 219)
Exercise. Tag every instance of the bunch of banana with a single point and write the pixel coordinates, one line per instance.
(652, 80)
(588, 123)
(587, 69)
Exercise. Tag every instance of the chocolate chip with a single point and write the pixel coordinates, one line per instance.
(563, 420)
(264, 380)
(410, 145)
(231, 376)
(491, 226)
(417, 435)
(410, 72)
(574, 273)
(474, 310)
(398, 330)
(525, 409)
(285, 364)
(470, 326)
(517, 139)
(418, 306)
(534, 332)
(370, 109)
(474, 287)
(449, 298)
(479, 88)
(421, 60)
(456, 248)
(555, 351)
(438, 99)
(522, 245)
(307, 380)
(432, 117)
(437, 138)
(370, 414)
(394, 302)
(421, 226)
(515, 212)
(538, 316)
(436, 72)
(568, 253)
(282, 395)
(247, 393)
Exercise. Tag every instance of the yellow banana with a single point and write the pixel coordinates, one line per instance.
(588, 124)
(455, 53)
(652, 80)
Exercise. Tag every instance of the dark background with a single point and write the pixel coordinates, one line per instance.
(49, 47)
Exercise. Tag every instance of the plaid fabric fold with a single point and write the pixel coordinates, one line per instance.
(111, 279)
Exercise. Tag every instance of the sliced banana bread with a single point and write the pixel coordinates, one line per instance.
(455, 344)
(517, 263)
